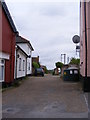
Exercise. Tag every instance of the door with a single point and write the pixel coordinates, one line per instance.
(2, 71)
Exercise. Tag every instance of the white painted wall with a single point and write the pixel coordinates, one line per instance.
(21, 73)
(26, 48)
(4, 55)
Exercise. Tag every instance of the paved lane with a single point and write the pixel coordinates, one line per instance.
(45, 97)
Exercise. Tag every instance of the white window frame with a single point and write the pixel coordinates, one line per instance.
(29, 66)
(71, 72)
(75, 71)
(23, 65)
(2, 64)
(20, 64)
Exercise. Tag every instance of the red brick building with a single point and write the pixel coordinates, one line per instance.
(7, 49)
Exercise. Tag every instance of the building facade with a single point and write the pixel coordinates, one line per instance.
(85, 44)
(23, 57)
(20, 63)
(8, 33)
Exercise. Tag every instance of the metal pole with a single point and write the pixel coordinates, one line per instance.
(67, 60)
(85, 42)
(61, 57)
(64, 58)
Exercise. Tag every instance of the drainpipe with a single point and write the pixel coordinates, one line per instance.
(85, 44)
(16, 55)
(15, 62)
(11, 59)
(26, 66)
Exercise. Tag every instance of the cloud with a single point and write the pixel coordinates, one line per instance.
(53, 10)
(49, 27)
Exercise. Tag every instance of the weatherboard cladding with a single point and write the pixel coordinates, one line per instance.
(7, 13)
(8, 43)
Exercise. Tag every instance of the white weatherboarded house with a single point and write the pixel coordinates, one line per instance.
(23, 59)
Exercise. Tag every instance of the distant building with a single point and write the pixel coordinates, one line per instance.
(56, 71)
(23, 57)
(85, 44)
(8, 34)
(34, 59)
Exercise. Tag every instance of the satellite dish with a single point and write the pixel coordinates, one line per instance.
(76, 39)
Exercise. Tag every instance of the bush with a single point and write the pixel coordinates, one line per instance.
(35, 65)
(46, 71)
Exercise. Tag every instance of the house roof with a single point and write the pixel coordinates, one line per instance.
(7, 13)
(20, 39)
(70, 68)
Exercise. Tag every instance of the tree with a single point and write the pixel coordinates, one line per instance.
(46, 71)
(35, 65)
(59, 65)
(75, 61)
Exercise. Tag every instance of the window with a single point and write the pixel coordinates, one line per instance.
(28, 66)
(1, 70)
(19, 64)
(75, 71)
(71, 72)
(23, 65)
(2, 61)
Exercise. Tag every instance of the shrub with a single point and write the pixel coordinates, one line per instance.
(35, 65)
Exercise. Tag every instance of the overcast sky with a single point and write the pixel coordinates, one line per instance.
(49, 26)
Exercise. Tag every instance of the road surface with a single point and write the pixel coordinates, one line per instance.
(45, 97)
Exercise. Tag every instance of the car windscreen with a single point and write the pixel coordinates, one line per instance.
(39, 69)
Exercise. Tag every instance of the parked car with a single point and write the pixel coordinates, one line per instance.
(39, 71)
